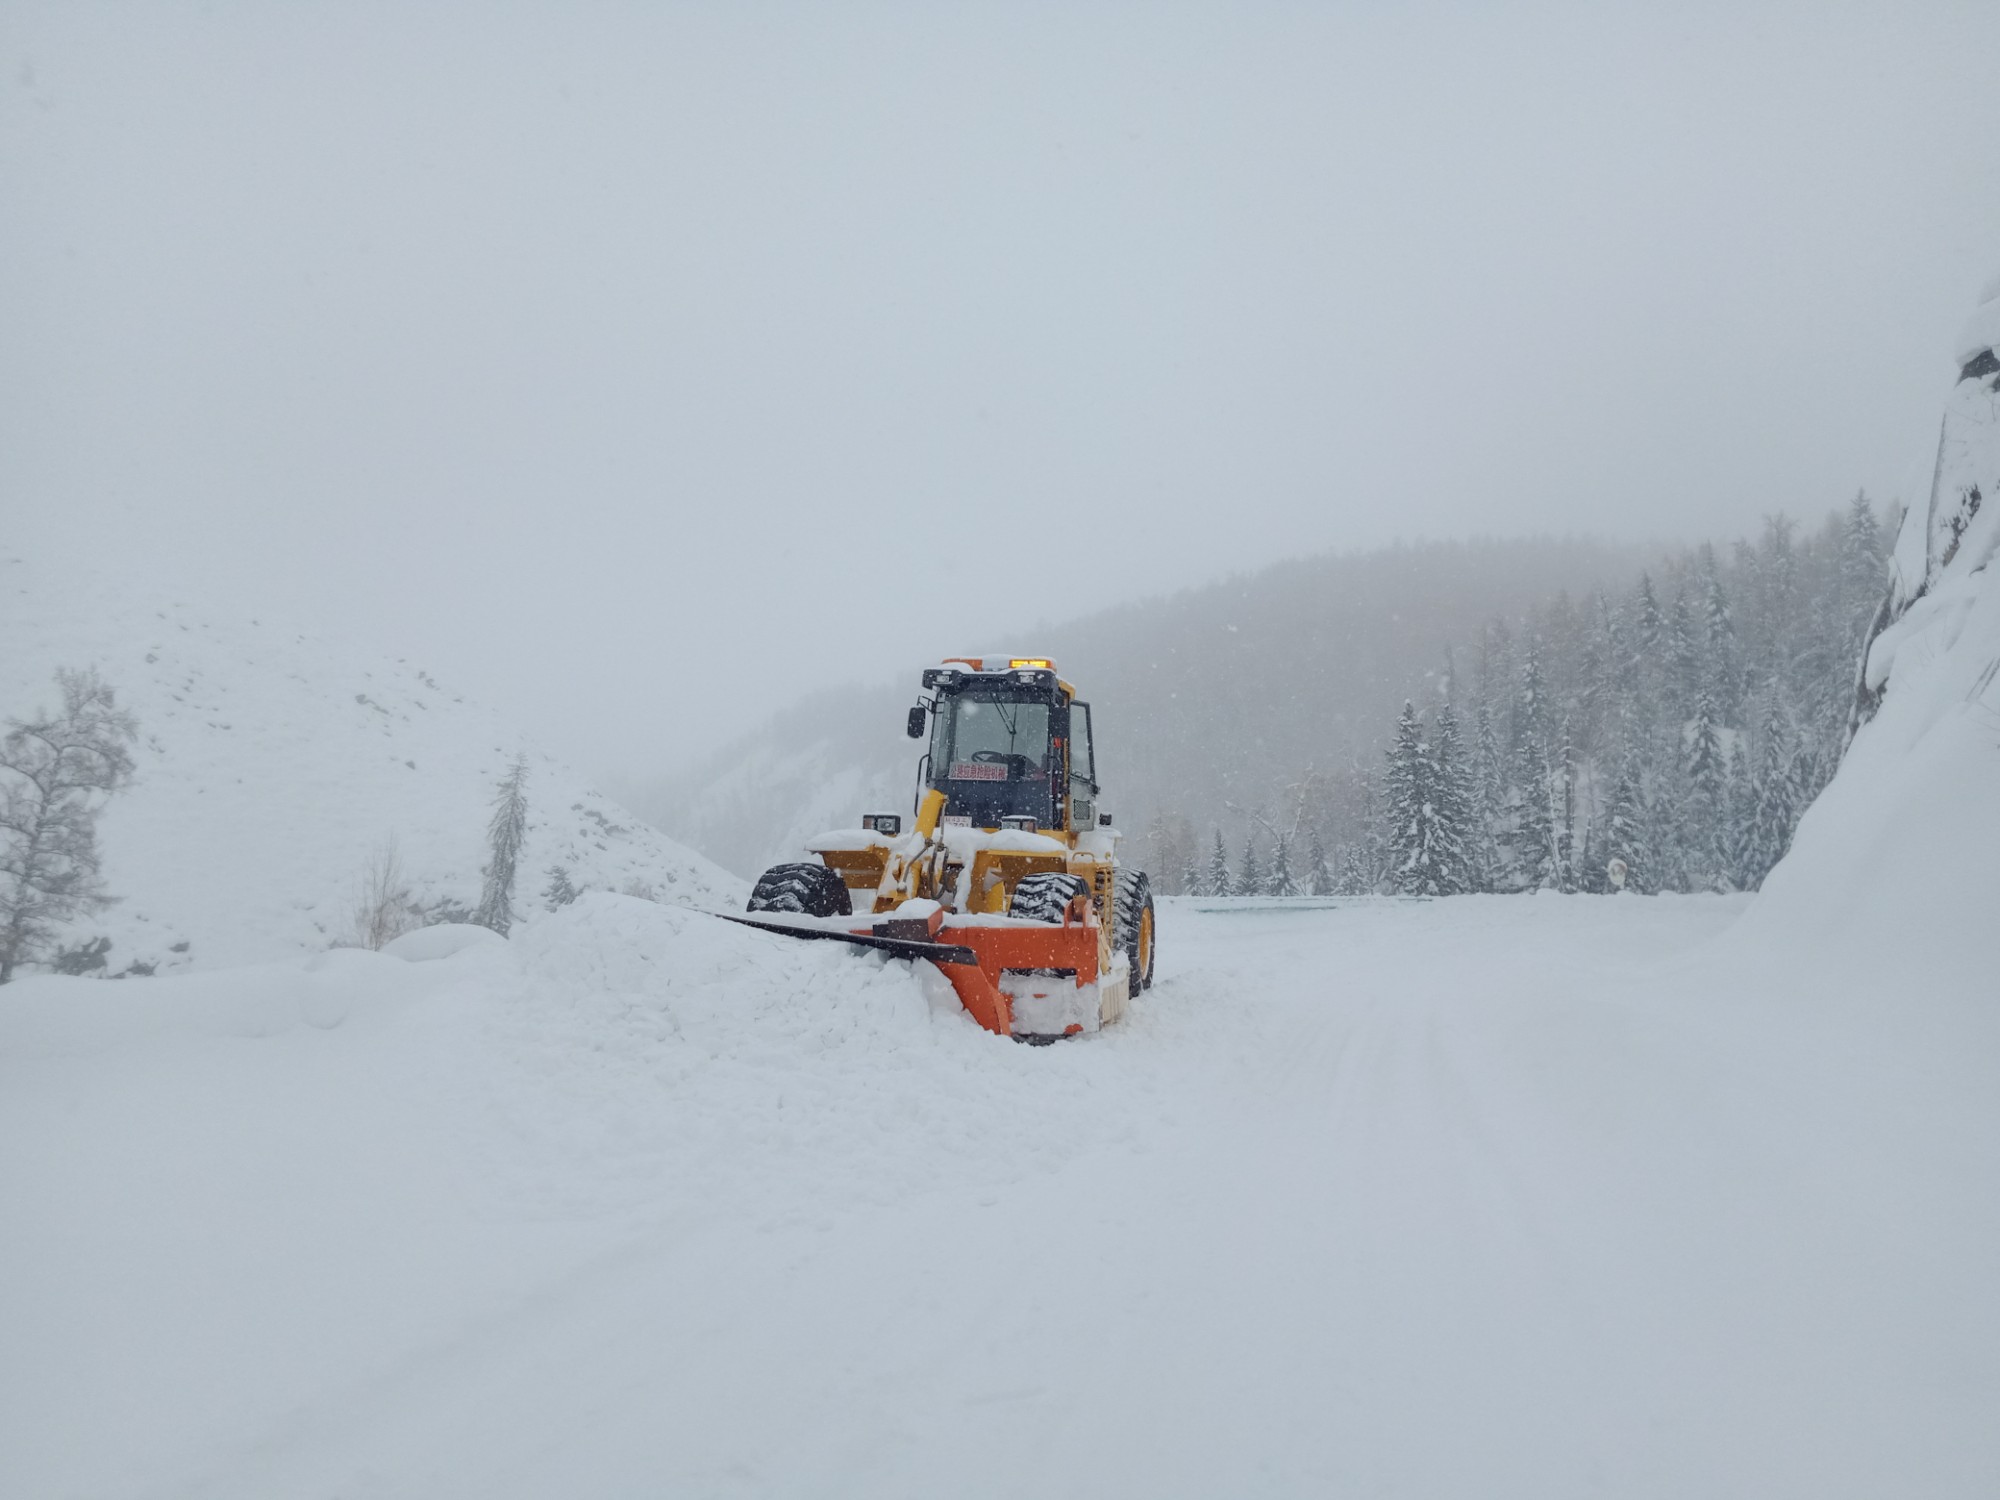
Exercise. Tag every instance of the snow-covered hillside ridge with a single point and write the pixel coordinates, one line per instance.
(816, 765)
(1205, 699)
(273, 768)
(1904, 841)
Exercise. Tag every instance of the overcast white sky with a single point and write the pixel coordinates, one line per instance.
(635, 365)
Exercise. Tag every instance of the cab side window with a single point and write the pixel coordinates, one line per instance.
(1082, 764)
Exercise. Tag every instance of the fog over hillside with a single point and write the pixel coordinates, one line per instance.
(276, 770)
(1205, 700)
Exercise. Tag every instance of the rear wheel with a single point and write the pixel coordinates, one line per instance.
(1045, 896)
(810, 890)
(1133, 912)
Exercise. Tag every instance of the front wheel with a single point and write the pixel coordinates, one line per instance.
(810, 890)
(1133, 912)
(1045, 895)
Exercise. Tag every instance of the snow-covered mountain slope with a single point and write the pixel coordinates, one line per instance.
(1904, 845)
(273, 769)
(1207, 698)
(817, 765)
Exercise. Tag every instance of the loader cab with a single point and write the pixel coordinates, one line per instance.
(1001, 747)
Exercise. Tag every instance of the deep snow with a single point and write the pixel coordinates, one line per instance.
(1533, 1196)
(274, 766)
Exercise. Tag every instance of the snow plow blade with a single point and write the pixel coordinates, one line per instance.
(992, 965)
(1033, 964)
(937, 953)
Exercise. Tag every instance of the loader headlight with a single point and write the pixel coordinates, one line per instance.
(1018, 824)
(889, 824)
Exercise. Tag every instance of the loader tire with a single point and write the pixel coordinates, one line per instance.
(810, 890)
(1045, 896)
(1132, 910)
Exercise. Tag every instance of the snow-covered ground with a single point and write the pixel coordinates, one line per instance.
(1491, 1196)
(274, 767)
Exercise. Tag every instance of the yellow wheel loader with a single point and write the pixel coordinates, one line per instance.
(1007, 877)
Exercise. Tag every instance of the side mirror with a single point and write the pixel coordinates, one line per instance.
(915, 729)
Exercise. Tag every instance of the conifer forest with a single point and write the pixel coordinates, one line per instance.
(1666, 738)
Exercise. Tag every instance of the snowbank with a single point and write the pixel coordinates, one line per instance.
(252, 1195)
(1897, 857)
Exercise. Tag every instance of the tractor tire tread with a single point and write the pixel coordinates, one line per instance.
(1045, 895)
(805, 889)
(1132, 898)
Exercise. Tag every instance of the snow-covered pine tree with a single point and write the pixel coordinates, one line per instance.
(1369, 847)
(1319, 879)
(1548, 810)
(1250, 878)
(1354, 879)
(504, 833)
(1279, 879)
(1649, 625)
(1219, 882)
(1457, 803)
(1778, 566)
(1485, 846)
(56, 772)
(1194, 882)
(1625, 830)
(1861, 546)
(1599, 669)
(1528, 844)
(1719, 667)
(1684, 667)
(1861, 571)
(1740, 809)
(1426, 853)
(1562, 809)
(1704, 839)
(1531, 712)
(1406, 792)
(559, 892)
(1774, 809)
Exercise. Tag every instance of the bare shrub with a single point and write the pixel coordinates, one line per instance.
(383, 908)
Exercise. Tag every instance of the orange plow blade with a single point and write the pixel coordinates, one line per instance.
(1003, 952)
(1070, 950)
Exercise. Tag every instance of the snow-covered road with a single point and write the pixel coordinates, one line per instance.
(1489, 1197)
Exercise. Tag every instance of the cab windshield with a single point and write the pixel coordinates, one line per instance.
(992, 755)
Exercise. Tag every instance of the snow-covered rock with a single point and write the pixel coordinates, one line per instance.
(274, 768)
(1903, 848)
